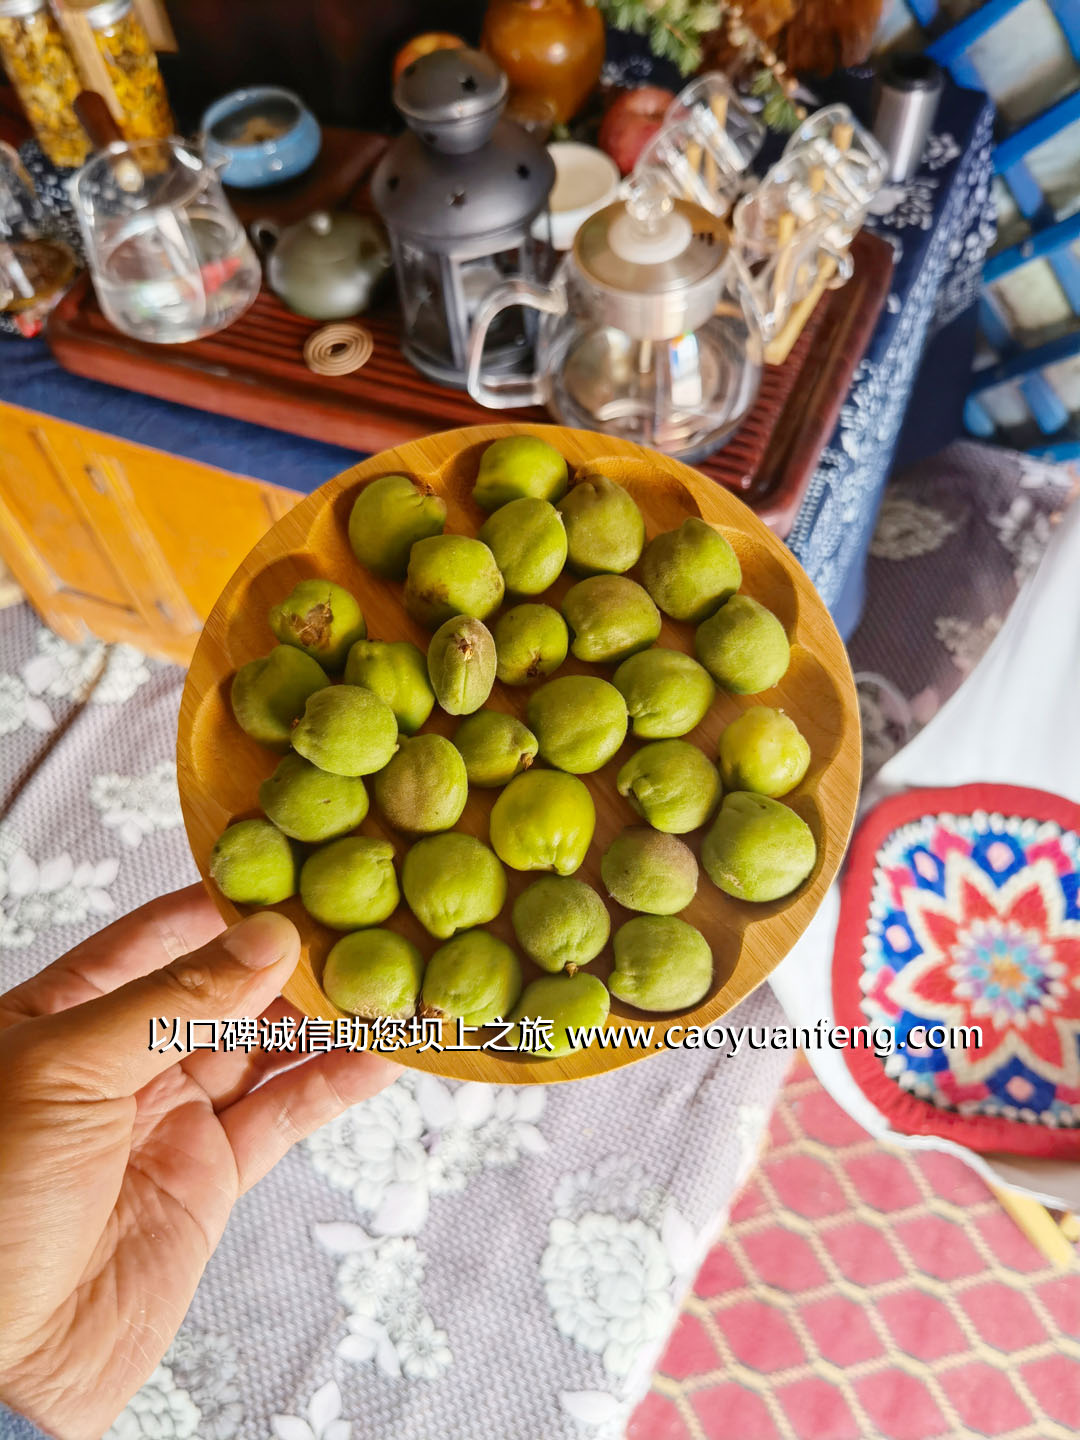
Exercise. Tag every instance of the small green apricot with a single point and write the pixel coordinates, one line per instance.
(461, 664)
(528, 539)
(424, 787)
(661, 964)
(531, 642)
(321, 619)
(743, 646)
(310, 804)
(645, 869)
(453, 882)
(611, 617)
(253, 863)
(757, 848)
(346, 730)
(475, 977)
(268, 695)
(579, 722)
(495, 747)
(350, 883)
(396, 671)
(374, 972)
(388, 516)
(543, 820)
(560, 922)
(519, 466)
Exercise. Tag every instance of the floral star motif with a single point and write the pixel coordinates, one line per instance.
(1003, 958)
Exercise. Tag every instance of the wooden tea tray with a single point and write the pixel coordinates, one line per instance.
(255, 371)
(220, 768)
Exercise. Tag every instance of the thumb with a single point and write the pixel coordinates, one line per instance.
(103, 1045)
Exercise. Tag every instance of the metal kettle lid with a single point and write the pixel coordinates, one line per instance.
(650, 244)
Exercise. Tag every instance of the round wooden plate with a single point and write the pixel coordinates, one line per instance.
(220, 768)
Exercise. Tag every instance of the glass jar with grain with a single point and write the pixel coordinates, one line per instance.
(44, 78)
(132, 67)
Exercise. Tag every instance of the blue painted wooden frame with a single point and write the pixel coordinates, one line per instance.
(1026, 368)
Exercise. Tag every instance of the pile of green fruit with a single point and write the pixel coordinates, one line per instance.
(340, 706)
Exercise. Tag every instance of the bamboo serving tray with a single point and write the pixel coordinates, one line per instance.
(220, 768)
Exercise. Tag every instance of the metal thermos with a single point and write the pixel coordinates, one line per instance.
(907, 89)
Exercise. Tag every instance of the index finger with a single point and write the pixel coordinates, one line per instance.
(138, 943)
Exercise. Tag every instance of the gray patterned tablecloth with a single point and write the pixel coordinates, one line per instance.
(445, 1262)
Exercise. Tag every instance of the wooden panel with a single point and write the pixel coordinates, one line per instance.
(220, 767)
(126, 542)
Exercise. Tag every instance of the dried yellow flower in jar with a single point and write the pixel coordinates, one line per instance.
(44, 77)
(133, 71)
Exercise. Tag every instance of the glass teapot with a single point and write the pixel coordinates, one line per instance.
(643, 333)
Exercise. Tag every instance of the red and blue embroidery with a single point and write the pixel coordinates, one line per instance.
(961, 909)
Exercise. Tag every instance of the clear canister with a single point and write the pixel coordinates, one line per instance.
(43, 74)
(133, 71)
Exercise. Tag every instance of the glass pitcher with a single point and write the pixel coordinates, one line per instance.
(169, 260)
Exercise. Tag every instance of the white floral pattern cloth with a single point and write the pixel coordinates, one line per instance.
(444, 1260)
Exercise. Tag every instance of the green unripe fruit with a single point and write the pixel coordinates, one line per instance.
(757, 848)
(604, 528)
(666, 692)
(453, 882)
(310, 804)
(531, 642)
(672, 784)
(372, 973)
(543, 820)
(346, 730)
(396, 671)
(424, 787)
(528, 540)
(579, 722)
(661, 964)
(388, 517)
(611, 618)
(451, 575)
(743, 646)
(517, 466)
(578, 1001)
(763, 751)
(560, 922)
(475, 977)
(690, 571)
(253, 863)
(350, 883)
(495, 747)
(646, 870)
(321, 619)
(461, 664)
(268, 695)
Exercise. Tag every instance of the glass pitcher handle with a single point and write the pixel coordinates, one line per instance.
(507, 392)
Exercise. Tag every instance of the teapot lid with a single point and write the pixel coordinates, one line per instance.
(651, 243)
(325, 239)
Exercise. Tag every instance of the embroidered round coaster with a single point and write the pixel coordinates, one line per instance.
(960, 909)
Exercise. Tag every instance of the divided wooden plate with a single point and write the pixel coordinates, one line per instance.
(220, 768)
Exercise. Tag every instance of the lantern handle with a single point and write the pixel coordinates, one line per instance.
(507, 392)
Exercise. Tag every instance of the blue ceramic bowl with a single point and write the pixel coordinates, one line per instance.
(266, 134)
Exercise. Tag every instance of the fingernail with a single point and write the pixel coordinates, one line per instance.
(262, 940)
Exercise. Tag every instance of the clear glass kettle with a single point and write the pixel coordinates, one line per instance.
(643, 332)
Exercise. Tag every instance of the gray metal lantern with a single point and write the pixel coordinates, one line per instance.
(459, 193)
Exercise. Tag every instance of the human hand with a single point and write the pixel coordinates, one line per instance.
(120, 1165)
